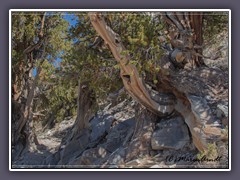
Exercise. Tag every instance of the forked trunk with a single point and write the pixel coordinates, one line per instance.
(183, 79)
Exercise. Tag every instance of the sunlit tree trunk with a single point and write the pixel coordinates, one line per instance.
(185, 77)
(85, 102)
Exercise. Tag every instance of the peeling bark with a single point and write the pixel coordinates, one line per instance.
(129, 74)
(22, 133)
(23, 90)
(85, 102)
(177, 82)
(187, 28)
(28, 106)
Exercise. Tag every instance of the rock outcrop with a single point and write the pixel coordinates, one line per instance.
(170, 134)
(115, 140)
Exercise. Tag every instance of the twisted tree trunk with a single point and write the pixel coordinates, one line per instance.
(22, 97)
(183, 77)
(22, 130)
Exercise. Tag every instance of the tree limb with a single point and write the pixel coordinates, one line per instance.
(181, 86)
(129, 74)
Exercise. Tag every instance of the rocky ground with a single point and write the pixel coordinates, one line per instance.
(49, 141)
(105, 145)
(217, 51)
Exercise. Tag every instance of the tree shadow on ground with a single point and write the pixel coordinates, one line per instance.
(32, 159)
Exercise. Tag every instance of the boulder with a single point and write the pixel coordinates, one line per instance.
(74, 148)
(100, 126)
(52, 159)
(201, 109)
(170, 134)
(118, 133)
(91, 157)
(117, 158)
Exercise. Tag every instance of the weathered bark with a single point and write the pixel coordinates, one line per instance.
(129, 74)
(85, 102)
(23, 89)
(28, 107)
(22, 132)
(186, 38)
(192, 90)
(199, 82)
(23, 69)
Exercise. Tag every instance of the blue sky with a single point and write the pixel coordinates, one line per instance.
(72, 19)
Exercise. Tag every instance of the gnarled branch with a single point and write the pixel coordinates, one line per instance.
(129, 74)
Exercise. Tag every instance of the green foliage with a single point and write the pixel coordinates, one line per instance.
(60, 97)
(83, 60)
(214, 23)
(210, 153)
(25, 32)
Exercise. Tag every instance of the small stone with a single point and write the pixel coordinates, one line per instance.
(201, 109)
(117, 160)
(223, 108)
(91, 157)
(113, 166)
(219, 113)
(225, 121)
(155, 166)
(172, 166)
(134, 162)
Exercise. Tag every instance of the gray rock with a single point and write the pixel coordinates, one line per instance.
(92, 157)
(134, 162)
(52, 159)
(113, 144)
(155, 166)
(74, 148)
(170, 134)
(100, 126)
(223, 108)
(201, 109)
(117, 157)
(118, 133)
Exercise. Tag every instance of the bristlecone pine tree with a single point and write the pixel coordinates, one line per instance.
(37, 38)
(156, 56)
(182, 74)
